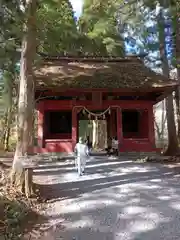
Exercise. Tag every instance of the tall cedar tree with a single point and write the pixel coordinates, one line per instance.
(26, 93)
(57, 30)
(175, 6)
(11, 33)
(100, 24)
(172, 136)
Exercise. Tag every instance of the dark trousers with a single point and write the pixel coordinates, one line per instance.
(112, 151)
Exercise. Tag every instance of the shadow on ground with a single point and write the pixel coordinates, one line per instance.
(115, 200)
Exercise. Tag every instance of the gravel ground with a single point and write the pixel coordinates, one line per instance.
(116, 199)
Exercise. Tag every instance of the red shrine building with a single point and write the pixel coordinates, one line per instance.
(121, 91)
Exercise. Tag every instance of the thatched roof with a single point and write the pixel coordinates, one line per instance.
(110, 73)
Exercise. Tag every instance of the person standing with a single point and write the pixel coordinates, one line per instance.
(81, 151)
(109, 146)
(115, 146)
(89, 144)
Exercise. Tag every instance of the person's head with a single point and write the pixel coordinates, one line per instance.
(81, 140)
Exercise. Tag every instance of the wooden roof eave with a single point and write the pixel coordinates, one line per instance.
(106, 90)
(166, 93)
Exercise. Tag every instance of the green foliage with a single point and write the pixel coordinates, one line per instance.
(57, 30)
(8, 88)
(99, 23)
(11, 32)
(10, 38)
(13, 215)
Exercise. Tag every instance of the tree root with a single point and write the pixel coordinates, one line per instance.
(171, 151)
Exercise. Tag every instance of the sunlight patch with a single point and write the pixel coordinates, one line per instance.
(175, 205)
(137, 169)
(79, 206)
(91, 204)
(143, 226)
(145, 186)
(109, 164)
(123, 235)
(70, 208)
(156, 180)
(134, 200)
(164, 198)
(134, 210)
(83, 223)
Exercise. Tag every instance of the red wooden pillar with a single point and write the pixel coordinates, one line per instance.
(151, 127)
(74, 127)
(108, 126)
(41, 124)
(113, 125)
(119, 127)
(97, 98)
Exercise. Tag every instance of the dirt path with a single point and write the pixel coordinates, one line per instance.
(116, 199)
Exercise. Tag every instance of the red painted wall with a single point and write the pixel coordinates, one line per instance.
(58, 136)
(136, 145)
(41, 127)
(61, 144)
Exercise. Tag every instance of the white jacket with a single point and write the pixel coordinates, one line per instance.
(81, 150)
(115, 144)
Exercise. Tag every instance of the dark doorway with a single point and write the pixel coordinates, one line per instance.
(135, 123)
(58, 123)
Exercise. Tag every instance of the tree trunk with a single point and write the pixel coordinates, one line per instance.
(163, 121)
(177, 101)
(172, 148)
(26, 94)
(4, 126)
(7, 95)
(177, 53)
(7, 129)
(95, 129)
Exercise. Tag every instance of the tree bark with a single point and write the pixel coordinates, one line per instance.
(177, 53)
(95, 129)
(177, 101)
(8, 77)
(172, 148)
(4, 127)
(26, 94)
(163, 120)
(7, 129)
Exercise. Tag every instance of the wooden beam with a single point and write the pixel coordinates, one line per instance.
(164, 95)
(97, 98)
(74, 127)
(40, 108)
(74, 93)
(119, 128)
(57, 89)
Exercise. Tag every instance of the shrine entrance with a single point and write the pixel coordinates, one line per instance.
(94, 126)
